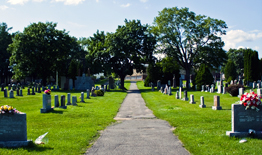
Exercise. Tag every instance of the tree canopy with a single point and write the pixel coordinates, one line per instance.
(190, 39)
(41, 50)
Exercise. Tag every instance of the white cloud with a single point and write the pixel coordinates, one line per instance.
(3, 7)
(125, 5)
(237, 36)
(70, 2)
(143, 1)
(14, 2)
(38, 0)
(75, 24)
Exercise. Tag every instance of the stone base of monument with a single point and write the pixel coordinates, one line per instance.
(42, 110)
(192, 102)
(216, 107)
(185, 99)
(13, 130)
(202, 106)
(258, 134)
(63, 107)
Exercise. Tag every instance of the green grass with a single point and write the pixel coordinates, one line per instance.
(201, 130)
(71, 130)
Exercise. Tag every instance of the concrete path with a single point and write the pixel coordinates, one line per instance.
(139, 133)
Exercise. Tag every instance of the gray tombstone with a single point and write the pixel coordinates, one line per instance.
(203, 88)
(46, 104)
(177, 95)
(185, 96)
(11, 94)
(56, 101)
(5, 92)
(28, 91)
(74, 100)
(180, 92)
(202, 102)
(38, 89)
(258, 85)
(63, 102)
(259, 92)
(68, 99)
(254, 85)
(216, 103)
(169, 83)
(88, 94)
(242, 120)
(169, 91)
(82, 97)
(240, 92)
(21, 92)
(33, 91)
(192, 99)
(93, 92)
(219, 89)
(17, 92)
(224, 90)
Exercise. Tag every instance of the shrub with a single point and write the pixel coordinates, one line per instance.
(102, 77)
(203, 77)
(229, 79)
(234, 89)
(99, 92)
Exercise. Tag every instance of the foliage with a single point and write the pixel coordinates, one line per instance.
(203, 77)
(5, 40)
(73, 68)
(99, 92)
(229, 79)
(190, 39)
(251, 65)
(234, 89)
(41, 50)
(230, 70)
(237, 57)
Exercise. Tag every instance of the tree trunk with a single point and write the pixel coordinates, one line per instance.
(122, 82)
(188, 78)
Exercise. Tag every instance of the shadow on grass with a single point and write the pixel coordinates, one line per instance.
(56, 112)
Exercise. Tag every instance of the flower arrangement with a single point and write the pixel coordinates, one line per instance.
(6, 109)
(250, 100)
(48, 91)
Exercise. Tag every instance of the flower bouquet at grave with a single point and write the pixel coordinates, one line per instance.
(6, 109)
(48, 91)
(250, 100)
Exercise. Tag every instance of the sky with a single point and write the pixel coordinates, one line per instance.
(82, 18)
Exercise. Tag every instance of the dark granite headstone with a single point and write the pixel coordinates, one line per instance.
(33, 91)
(68, 99)
(56, 101)
(74, 100)
(63, 102)
(243, 120)
(28, 91)
(82, 97)
(46, 104)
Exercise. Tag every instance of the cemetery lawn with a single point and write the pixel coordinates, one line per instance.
(201, 130)
(71, 130)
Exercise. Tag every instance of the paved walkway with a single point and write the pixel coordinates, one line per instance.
(140, 133)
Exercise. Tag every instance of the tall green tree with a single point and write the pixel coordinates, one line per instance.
(5, 40)
(191, 39)
(130, 47)
(41, 50)
(237, 57)
(203, 77)
(230, 70)
(251, 65)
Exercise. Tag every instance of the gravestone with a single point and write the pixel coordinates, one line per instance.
(174, 82)
(28, 91)
(240, 92)
(97, 88)
(161, 89)
(82, 97)
(46, 104)
(169, 91)
(17, 92)
(258, 85)
(5, 92)
(169, 83)
(93, 92)
(158, 84)
(232, 82)
(49, 87)
(185, 96)
(56, 101)
(177, 95)
(180, 92)
(242, 120)
(21, 92)
(38, 89)
(259, 92)
(88, 93)
(74, 100)
(13, 130)
(219, 89)
(13, 87)
(203, 88)
(68, 99)
(202, 102)
(254, 85)
(33, 91)
(224, 90)
(111, 83)
(192, 99)
(63, 102)
(11, 94)
(216, 103)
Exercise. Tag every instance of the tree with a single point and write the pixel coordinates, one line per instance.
(130, 47)
(203, 77)
(5, 40)
(230, 71)
(190, 39)
(41, 50)
(237, 57)
(251, 65)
